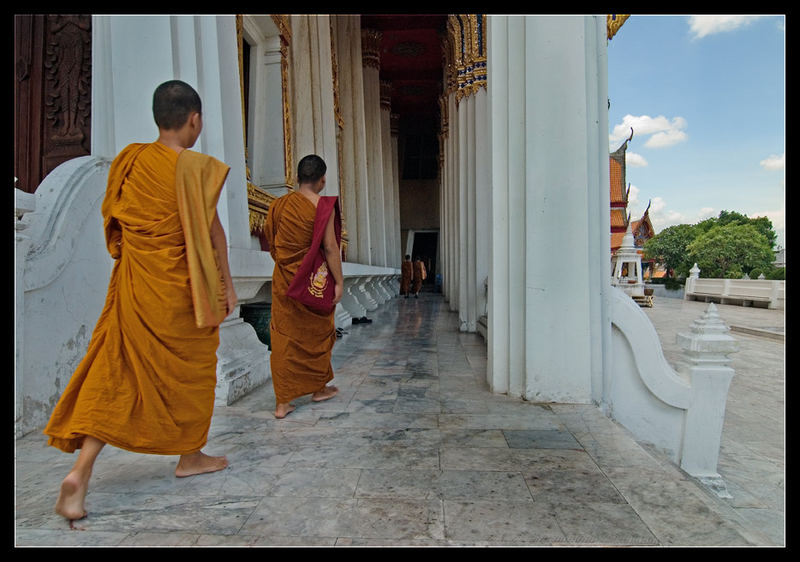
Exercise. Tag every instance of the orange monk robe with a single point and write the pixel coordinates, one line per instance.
(407, 273)
(147, 381)
(419, 275)
(301, 338)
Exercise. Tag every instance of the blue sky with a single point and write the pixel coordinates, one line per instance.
(705, 97)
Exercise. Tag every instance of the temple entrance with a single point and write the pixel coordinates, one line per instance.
(425, 246)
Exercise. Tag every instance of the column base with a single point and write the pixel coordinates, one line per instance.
(242, 361)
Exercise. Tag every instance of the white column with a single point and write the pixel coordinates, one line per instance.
(468, 108)
(443, 231)
(552, 135)
(482, 200)
(354, 151)
(398, 251)
(455, 256)
(313, 106)
(463, 216)
(372, 111)
(343, 25)
(389, 187)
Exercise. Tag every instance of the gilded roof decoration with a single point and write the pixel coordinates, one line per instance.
(467, 41)
(613, 23)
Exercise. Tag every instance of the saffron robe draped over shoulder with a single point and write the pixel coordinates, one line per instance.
(302, 339)
(147, 381)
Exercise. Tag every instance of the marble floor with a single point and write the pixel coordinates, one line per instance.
(414, 451)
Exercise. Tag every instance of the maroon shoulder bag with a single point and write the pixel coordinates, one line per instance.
(313, 284)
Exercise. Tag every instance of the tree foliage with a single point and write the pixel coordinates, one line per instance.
(730, 250)
(668, 247)
(678, 247)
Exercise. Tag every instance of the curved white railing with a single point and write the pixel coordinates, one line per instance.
(654, 369)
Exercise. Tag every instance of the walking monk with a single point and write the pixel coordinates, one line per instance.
(147, 381)
(419, 275)
(302, 339)
(407, 274)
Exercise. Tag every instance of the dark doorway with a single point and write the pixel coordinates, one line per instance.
(425, 245)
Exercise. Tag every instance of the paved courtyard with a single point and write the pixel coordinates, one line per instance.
(415, 451)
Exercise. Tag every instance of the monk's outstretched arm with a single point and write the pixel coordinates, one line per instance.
(334, 259)
(220, 243)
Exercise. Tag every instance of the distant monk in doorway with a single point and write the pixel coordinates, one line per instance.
(407, 271)
(419, 275)
(148, 378)
(302, 338)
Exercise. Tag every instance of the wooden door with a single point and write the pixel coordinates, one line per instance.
(52, 94)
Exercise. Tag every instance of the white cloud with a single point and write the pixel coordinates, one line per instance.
(774, 162)
(666, 138)
(662, 131)
(633, 197)
(635, 160)
(777, 217)
(701, 26)
(662, 216)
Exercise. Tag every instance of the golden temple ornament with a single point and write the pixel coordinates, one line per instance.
(613, 23)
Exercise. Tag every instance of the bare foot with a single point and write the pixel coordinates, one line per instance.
(199, 463)
(71, 497)
(283, 410)
(325, 394)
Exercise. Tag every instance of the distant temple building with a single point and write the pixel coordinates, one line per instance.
(620, 217)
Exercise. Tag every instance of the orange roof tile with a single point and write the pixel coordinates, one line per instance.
(619, 218)
(616, 240)
(617, 181)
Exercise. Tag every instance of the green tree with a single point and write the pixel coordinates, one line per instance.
(668, 248)
(762, 224)
(727, 251)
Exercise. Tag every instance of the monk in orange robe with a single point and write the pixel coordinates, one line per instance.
(407, 274)
(302, 338)
(419, 276)
(148, 378)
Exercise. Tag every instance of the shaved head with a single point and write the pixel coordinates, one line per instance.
(173, 102)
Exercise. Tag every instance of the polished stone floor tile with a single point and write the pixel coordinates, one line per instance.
(587, 484)
(601, 523)
(540, 439)
(416, 451)
(399, 519)
(501, 523)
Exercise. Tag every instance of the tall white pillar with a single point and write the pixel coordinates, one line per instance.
(547, 145)
(312, 87)
(370, 45)
(394, 120)
(389, 187)
(482, 200)
(468, 107)
(455, 256)
(354, 143)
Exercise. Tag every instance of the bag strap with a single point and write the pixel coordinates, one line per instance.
(325, 206)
